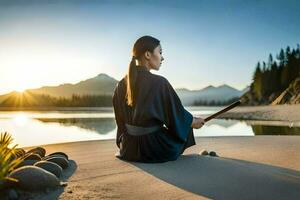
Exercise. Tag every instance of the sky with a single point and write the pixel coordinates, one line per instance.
(50, 42)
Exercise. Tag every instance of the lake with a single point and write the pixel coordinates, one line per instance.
(30, 128)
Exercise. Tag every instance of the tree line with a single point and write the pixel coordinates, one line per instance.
(272, 78)
(214, 102)
(43, 100)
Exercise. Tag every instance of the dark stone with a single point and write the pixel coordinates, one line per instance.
(32, 156)
(50, 167)
(61, 161)
(26, 163)
(54, 155)
(59, 153)
(34, 178)
(212, 153)
(38, 150)
(12, 194)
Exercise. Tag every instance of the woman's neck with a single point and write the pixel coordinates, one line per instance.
(146, 64)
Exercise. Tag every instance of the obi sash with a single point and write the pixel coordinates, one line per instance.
(139, 130)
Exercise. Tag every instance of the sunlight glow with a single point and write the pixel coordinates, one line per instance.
(20, 119)
(46, 60)
(20, 89)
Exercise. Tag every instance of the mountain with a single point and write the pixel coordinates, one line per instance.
(9, 96)
(246, 89)
(209, 93)
(102, 84)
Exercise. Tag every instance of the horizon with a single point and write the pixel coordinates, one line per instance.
(212, 43)
(216, 86)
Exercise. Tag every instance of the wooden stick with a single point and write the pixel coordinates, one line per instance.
(223, 110)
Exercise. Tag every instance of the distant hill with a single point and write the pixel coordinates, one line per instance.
(9, 96)
(209, 93)
(103, 85)
(99, 85)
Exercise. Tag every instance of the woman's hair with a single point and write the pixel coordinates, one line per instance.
(143, 44)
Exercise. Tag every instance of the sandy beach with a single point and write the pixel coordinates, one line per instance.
(288, 113)
(255, 167)
(261, 167)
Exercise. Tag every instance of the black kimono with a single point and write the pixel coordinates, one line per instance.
(158, 127)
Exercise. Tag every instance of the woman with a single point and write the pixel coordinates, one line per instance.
(152, 124)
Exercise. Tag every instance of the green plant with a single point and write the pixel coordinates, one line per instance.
(9, 158)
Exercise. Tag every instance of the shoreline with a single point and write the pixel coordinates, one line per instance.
(96, 109)
(196, 138)
(288, 113)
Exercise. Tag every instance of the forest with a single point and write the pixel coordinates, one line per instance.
(271, 78)
(27, 99)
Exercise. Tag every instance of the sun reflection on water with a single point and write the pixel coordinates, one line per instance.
(21, 119)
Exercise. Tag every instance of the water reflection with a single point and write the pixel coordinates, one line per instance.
(222, 123)
(37, 128)
(21, 119)
(34, 132)
(275, 130)
(216, 127)
(99, 125)
(221, 127)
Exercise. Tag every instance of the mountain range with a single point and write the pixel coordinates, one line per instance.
(209, 93)
(103, 84)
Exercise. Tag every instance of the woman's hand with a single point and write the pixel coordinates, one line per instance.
(197, 123)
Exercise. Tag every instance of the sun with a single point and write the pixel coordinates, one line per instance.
(20, 89)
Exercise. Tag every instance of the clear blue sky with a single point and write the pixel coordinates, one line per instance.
(204, 42)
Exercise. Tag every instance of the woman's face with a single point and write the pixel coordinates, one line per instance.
(155, 58)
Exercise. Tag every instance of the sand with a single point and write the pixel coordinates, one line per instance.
(260, 167)
(288, 113)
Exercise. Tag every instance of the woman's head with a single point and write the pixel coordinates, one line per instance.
(147, 52)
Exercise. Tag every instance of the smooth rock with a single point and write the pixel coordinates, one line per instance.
(12, 194)
(26, 163)
(54, 155)
(38, 150)
(59, 153)
(61, 161)
(32, 156)
(50, 167)
(34, 178)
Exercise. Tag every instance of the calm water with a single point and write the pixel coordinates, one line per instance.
(36, 128)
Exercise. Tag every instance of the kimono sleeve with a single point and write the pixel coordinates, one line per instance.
(178, 120)
(118, 114)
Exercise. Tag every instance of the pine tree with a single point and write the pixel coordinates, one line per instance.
(257, 81)
(280, 57)
(270, 61)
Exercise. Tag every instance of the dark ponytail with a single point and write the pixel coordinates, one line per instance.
(143, 44)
